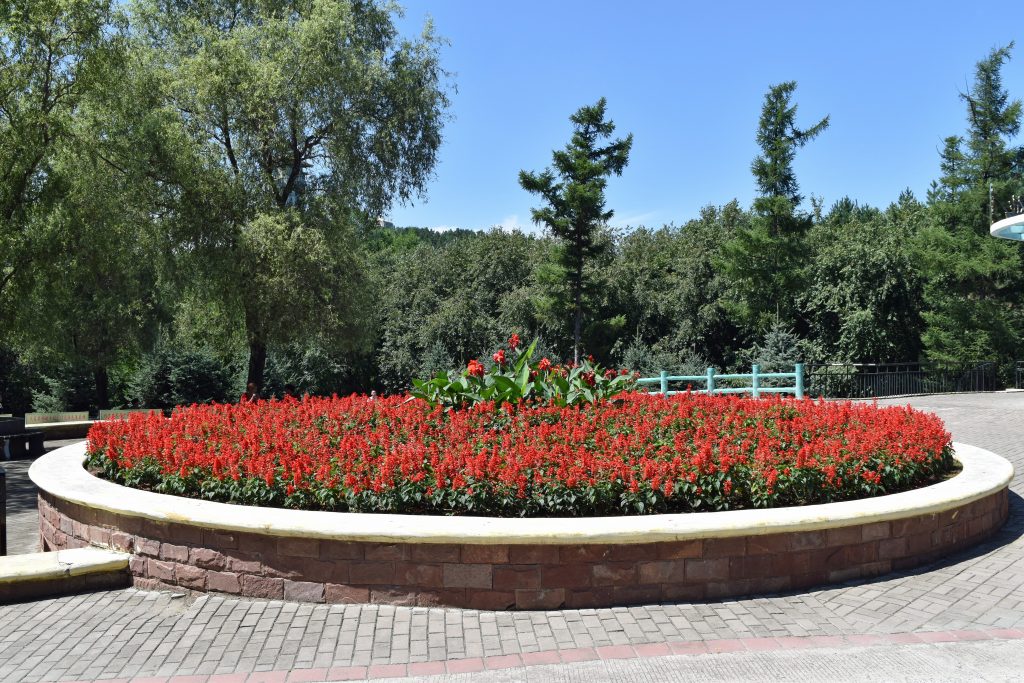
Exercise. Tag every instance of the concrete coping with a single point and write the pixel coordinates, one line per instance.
(61, 474)
(60, 564)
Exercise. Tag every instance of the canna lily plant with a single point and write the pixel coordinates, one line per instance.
(515, 377)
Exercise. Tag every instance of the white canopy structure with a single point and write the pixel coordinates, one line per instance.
(1011, 228)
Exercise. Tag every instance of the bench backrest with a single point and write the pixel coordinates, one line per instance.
(44, 418)
(125, 412)
(11, 425)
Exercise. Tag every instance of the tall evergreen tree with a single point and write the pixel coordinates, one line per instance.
(765, 261)
(974, 281)
(574, 195)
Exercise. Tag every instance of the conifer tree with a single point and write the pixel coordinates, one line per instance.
(573, 191)
(973, 280)
(765, 261)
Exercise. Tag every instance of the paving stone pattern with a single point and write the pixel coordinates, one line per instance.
(22, 517)
(130, 633)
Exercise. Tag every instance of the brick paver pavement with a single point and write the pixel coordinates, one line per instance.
(130, 633)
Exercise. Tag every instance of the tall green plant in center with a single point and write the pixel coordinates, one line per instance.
(573, 191)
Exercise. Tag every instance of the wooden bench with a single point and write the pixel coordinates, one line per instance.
(17, 442)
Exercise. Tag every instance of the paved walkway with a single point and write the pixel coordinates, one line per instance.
(962, 618)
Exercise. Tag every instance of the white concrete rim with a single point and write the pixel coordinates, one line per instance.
(61, 474)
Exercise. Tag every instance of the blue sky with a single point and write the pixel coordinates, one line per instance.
(688, 79)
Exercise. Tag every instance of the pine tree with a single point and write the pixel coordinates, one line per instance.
(974, 280)
(573, 191)
(765, 261)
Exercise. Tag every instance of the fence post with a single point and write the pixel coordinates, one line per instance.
(711, 381)
(755, 381)
(664, 382)
(799, 380)
(3, 512)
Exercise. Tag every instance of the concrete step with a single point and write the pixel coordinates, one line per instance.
(36, 575)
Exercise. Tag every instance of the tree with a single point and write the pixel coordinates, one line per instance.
(864, 295)
(667, 287)
(574, 195)
(765, 261)
(973, 285)
(49, 52)
(307, 117)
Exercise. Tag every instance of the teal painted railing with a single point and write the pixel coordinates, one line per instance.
(711, 378)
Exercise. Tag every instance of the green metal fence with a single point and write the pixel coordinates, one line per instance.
(711, 381)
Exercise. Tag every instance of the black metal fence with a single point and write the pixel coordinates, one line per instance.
(3, 512)
(866, 380)
(1018, 375)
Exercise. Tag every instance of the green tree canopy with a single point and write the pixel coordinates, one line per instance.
(307, 117)
(51, 54)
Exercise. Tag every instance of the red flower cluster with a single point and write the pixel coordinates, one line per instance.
(637, 454)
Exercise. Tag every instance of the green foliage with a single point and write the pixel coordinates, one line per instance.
(513, 380)
(52, 52)
(765, 261)
(864, 291)
(295, 121)
(573, 192)
(666, 284)
(178, 374)
(973, 282)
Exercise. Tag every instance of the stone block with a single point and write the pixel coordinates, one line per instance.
(262, 587)
(298, 547)
(664, 571)
(467, 575)
(372, 573)
(207, 559)
(533, 554)
(187, 576)
(512, 577)
(485, 554)
(174, 553)
(223, 582)
(303, 591)
(565, 576)
(386, 551)
(340, 593)
(435, 552)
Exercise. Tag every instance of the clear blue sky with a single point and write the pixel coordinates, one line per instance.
(688, 79)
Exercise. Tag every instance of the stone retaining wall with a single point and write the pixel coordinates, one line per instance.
(514, 576)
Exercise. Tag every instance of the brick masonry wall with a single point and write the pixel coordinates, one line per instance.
(513, 576)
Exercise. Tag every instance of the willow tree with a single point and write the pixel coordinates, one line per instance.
(573, 192)
(50, 54)
(309, 116)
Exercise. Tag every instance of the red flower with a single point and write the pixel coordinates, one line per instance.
(475, 369)
(544, 365)
(499, 357)
(513, 342)
(610, 374)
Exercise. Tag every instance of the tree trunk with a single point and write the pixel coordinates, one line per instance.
(257, 362)
(577, 325)
(102, 388)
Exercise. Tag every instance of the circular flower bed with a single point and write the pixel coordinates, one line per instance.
(637, 454)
